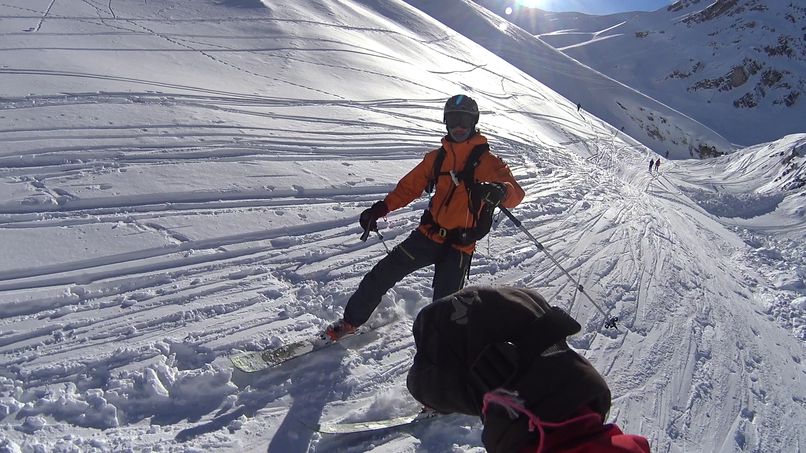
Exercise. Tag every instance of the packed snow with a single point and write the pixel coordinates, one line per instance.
(180, 181)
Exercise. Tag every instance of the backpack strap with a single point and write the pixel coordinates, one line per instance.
(473, 160)
(436, 171)
(468, 176)
(467, 173)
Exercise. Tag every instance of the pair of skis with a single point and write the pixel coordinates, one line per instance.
(255, 361)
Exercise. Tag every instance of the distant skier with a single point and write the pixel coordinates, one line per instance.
(657, 165)
(667, 154)
(651, 165)
(501, 354)
(470, 182)
(579, 106)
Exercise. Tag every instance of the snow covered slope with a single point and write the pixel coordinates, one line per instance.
(737, 66)
(760, 194)
(651, 122)
(182, 179)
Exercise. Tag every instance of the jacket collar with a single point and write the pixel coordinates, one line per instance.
(475, 139)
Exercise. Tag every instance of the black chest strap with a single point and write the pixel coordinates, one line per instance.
(466, 175)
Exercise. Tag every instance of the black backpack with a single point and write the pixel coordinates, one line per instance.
(483, 219)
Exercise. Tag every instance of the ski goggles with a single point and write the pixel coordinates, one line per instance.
(464, 120)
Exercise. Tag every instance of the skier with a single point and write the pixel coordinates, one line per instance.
(657, 165)
(501, 354)
(651, 164)
(579, 106)
(470, 182)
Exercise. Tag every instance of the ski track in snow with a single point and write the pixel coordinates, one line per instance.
(131, 336)
(136, 298)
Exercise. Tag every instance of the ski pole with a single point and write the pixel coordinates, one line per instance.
(611, 321)
(380, 236)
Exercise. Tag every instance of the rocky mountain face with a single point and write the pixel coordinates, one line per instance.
(760, 39)
(595, 95)
(736, 66)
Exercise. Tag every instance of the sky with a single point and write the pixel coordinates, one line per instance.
(596, 6)
(184, 189)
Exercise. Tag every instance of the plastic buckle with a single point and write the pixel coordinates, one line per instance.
(443, 233)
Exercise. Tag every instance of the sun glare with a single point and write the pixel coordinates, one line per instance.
(530, 3)
(508, 11)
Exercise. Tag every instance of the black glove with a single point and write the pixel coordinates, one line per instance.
(368, 219)
(491, 193)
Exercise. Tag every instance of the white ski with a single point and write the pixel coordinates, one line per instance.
(357, 427)
(253, 361)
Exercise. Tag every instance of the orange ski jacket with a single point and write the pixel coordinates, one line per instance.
(450, 204)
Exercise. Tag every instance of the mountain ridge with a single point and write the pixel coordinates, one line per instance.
(738, 66)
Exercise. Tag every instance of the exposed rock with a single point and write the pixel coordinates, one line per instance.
(654, 132)
(716, 9)
(738, 77)
(749, 53)
(747, 101)
(678, 74)
(752, 66)
(783, 48)
(681, 4)
(789, 100)
(771, 77)
(705, 150)
(707, 84)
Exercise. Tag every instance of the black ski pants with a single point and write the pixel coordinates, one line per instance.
(416, 252)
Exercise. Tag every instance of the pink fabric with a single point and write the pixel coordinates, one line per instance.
(566, 435)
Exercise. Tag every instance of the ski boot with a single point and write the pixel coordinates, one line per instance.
(339, 330)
